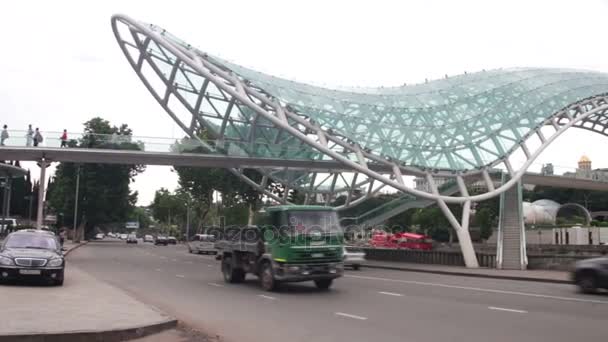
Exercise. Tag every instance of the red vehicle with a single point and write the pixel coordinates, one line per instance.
(402, 241)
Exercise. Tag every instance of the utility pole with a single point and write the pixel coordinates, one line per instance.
(74, 238)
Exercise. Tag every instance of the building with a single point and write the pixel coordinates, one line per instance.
(585, 171)
(423, 185)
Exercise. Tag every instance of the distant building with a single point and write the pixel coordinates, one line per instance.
(479, 186)
(585, 171)
(547, 169)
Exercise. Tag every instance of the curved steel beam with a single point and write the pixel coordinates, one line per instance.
(282, 118)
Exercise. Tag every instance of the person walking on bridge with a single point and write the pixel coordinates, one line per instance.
(37, 137)
(64, 138)
(4, 135)
(29, 136)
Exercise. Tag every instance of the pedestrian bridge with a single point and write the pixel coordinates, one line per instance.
(461, 127)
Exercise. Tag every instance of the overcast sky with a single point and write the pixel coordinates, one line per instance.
(60, 64)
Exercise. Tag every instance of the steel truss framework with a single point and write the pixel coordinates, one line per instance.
(463, 127)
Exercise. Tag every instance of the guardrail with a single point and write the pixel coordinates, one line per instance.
(427, 257)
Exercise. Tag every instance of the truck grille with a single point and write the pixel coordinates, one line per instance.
(308, 256)
(30, 262)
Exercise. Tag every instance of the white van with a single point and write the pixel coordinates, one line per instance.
(202, 243)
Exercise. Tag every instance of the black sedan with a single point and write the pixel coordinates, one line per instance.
(591, 274)
(32, 254)
(161, 240)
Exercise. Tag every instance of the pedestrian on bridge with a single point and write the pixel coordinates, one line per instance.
(4, 135)
(37, 137)
(64, 138)
(29, 136)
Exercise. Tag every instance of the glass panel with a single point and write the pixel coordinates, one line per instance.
(436, 124)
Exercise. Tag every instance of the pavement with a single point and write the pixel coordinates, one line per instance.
(558, 277)
(367, 305)
(83, 309)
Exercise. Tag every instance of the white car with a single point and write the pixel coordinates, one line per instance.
(99, 237)
(123, 236)
(202, 243)
(149, 238)
(8, 222)
(353, 257)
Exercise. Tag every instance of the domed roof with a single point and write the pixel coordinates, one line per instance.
(584, 159)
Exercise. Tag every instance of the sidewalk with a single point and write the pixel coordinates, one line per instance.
(528, 275)
(84, 309)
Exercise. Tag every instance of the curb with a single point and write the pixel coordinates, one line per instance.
(75, 247)
(85, 336)
(473, 275)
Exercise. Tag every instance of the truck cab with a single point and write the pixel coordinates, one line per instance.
(290, 243)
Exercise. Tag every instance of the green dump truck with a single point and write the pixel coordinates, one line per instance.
(291, 243)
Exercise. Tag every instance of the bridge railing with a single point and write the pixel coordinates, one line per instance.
(258, 149)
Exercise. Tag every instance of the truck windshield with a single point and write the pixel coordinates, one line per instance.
(305, 222)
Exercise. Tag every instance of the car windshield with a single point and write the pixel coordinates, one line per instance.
(208, 238)
(35, 241)
(305, 222)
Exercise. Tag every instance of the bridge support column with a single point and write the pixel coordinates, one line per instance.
(41, 189)
(462, 231)
(511, 243)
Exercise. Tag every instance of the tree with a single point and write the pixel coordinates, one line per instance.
(104, 193)
(484, 220)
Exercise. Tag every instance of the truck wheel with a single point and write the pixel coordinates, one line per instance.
(267, 277)
(324, 284)
(231, 274)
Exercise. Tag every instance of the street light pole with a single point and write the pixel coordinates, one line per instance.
(29, 212)
(187, 222)
(4, 184)
(74, 239)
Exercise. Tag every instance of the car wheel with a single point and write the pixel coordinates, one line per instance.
(59, 280)
(267, 277)
(190, 250)
(587, 282)
(356, 267)
(323, 284)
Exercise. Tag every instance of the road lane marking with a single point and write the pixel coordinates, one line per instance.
(174, 260)
(215, 284)
(391, 294)
(189, 262)
(209, 265)
(478, 289)
(361, 318)
(180, 276)
(267, 297)
(164, 257)
(158, 270)
(506, 309)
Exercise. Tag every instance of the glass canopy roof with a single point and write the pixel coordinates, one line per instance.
(457, 123)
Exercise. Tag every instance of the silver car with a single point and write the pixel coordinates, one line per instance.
(202, 243)
(353, 257)
(591, 274)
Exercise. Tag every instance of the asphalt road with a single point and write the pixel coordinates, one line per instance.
(367, 305)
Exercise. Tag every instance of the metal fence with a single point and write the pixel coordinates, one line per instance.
(427, 257)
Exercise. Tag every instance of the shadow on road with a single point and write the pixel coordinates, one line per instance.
(302, 289)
